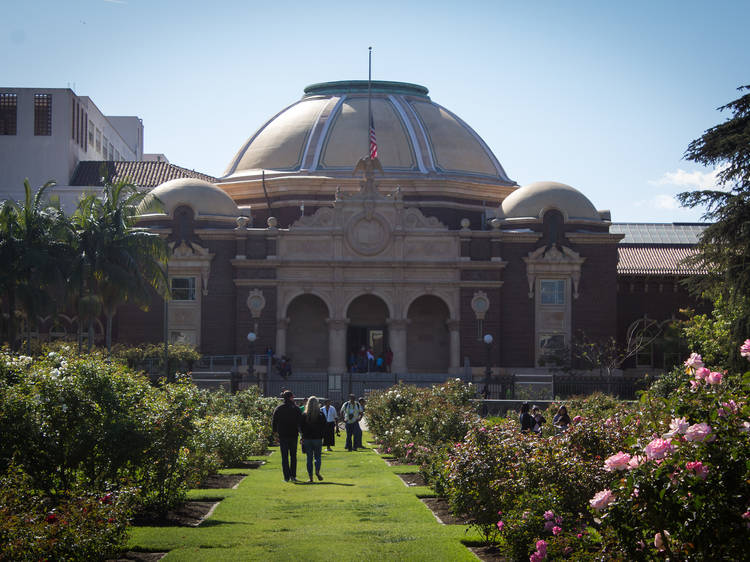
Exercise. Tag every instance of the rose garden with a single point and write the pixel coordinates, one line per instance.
(87, 445)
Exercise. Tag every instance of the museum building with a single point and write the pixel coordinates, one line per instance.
(424, 250)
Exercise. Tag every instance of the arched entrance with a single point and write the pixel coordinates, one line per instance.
(307, 334)
(367, 316)
(428, 337)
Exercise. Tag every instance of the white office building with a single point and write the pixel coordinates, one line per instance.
(46, 132)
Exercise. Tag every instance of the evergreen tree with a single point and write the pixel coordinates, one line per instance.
(723, 254)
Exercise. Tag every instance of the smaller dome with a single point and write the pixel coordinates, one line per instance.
(203, 197)
(533, 200)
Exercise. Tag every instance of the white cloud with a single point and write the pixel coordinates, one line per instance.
(689, 180)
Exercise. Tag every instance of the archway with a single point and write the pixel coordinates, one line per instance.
(428, 337)
(367, 329)
(307, 334)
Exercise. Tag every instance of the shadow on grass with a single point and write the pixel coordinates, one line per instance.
(301, 483)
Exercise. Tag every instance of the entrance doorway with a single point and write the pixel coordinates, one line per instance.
(367, 332)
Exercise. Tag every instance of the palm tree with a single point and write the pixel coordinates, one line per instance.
(32, 251)
(117, 262)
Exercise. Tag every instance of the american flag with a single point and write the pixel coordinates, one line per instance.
(373, 142)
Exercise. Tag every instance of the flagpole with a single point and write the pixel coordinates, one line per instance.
(369, 98)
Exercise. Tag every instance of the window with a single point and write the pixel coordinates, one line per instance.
(8, 112)
(42, 115)
(553, 291)
(91, 133)
(110, 152)
(183, 288)
(98, 140)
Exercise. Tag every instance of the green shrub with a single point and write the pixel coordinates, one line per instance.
(232, 438)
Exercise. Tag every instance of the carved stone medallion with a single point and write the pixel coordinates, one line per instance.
(368, 235)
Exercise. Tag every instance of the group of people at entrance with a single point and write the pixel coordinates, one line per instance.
(317, 425)
(365, 361)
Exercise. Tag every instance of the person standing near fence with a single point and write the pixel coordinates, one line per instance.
(351, 412)
(329, 440)
(285, 423)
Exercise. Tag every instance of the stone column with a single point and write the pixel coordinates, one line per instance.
(336, 346)
(455, 349)
(397, 343)
(281, 325)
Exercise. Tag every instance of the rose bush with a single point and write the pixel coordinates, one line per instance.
(688, 498)
(80, 526)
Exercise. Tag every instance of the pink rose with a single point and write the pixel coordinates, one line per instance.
(694, 384)
(500, 525)
(658, 449)
(678, 425)
(618, 461)
(745, 349)
(697, 468)
(698, 432)
(536, 557)
(694, 361)
(659, 540)
(635, 461)
(746, 515)
(556, 530)
(702, 373)
(602, 499)
(577, 419)
(541, 546)
(549, 515)
(714, 378)
(548, 525)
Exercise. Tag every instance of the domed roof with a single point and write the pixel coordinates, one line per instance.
(205, 198)
(326, 133)
(533, 200)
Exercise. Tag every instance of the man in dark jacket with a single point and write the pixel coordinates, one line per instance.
(286, 421)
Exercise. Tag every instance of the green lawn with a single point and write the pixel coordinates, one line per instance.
(361, 511)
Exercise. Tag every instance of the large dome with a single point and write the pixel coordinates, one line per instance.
(310, 148)
(326, 132)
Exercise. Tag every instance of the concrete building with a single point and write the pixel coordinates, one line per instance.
(46, 132)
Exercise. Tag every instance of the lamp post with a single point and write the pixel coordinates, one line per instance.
(488, 368)
(251, 337)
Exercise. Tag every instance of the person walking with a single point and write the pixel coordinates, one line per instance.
(331, 416)
(285, 425)
(313, 428)
(351, 412)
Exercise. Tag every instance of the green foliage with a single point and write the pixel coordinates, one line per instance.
(150, 356)
(80, 526)
(407, 419)
(233, 438)
(697, 496)
(710, 335)
(724, 249)
(70, 420)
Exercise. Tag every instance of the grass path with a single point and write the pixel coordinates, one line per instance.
(361, 511)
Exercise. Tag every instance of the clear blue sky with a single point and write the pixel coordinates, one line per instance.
(604, 96)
